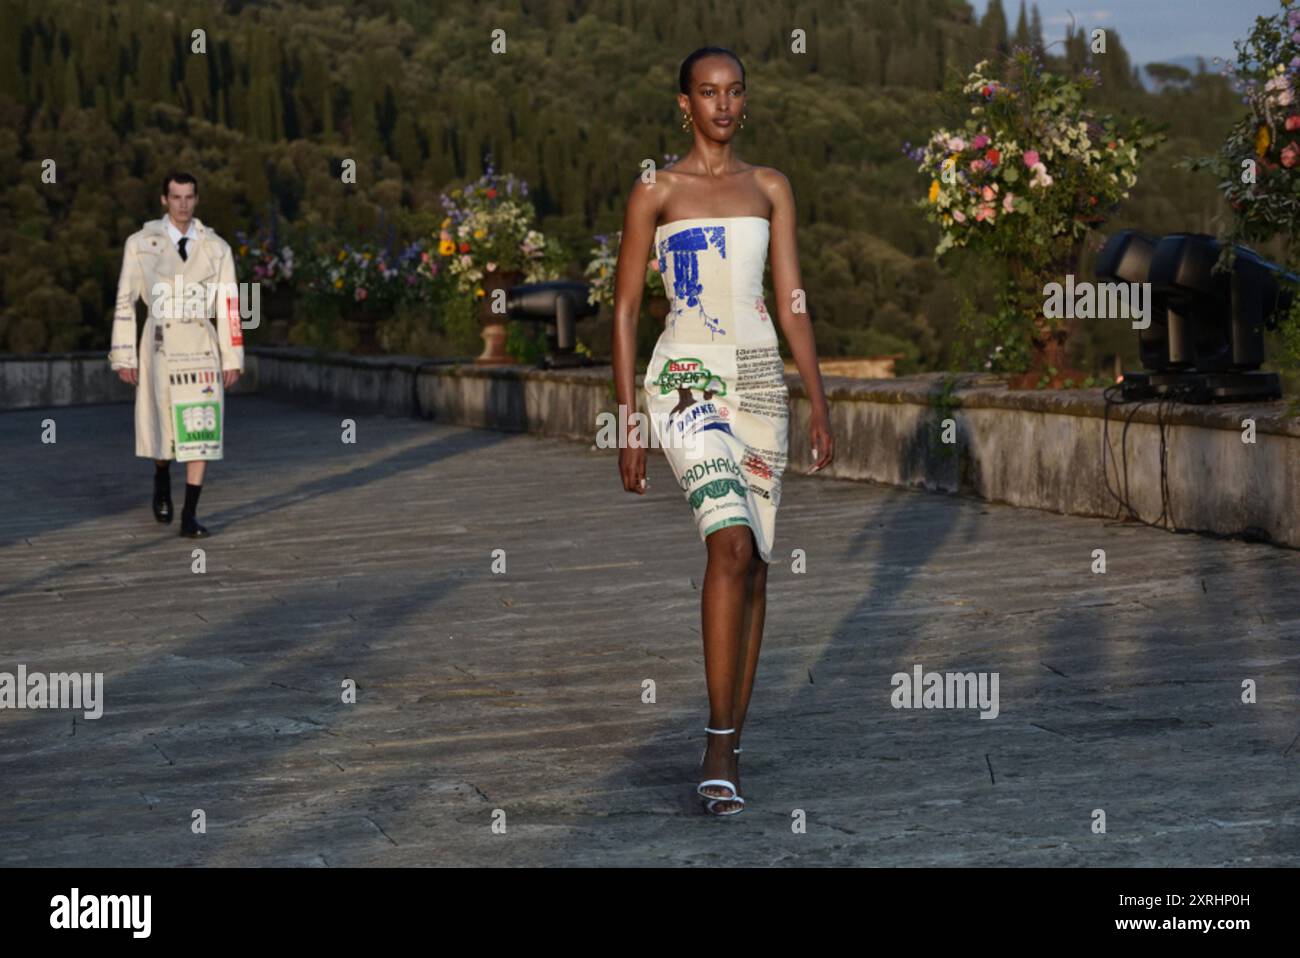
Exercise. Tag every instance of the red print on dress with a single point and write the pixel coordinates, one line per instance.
(762, 309)
(757, 465)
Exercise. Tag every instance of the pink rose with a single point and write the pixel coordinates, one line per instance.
(491, 267)
(360, 294)
(980, 142)
(1293, 123)
(989, 192)
(959, 216)
(1031, 157)
(1007, 201)
(1290, 154)
(978, 166)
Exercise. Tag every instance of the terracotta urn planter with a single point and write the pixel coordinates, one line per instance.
(1049, 351)
(494, 324)
(363, 320)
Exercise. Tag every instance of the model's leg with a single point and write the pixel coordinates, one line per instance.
(190, 526)
(751, 638)
(722, 610)
(162, 490)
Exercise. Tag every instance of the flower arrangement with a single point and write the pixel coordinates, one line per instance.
(1258, 166)
(1259, 154)
(602, 266)
(366, 273)
(489, 228)
(260, 258)
(1027, 151)
(1026, 173)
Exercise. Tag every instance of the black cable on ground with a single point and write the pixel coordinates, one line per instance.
(1175, 394)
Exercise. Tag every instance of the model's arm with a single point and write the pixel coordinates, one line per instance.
(130, 287)
(792, 311)
(633, 254)
(229, 331)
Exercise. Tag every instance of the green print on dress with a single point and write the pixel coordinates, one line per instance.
(689, 373)
(716, 489)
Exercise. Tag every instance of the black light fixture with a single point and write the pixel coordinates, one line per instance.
(559, 304)
(1205, 340)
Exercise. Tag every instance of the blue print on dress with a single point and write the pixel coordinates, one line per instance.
(686, 246)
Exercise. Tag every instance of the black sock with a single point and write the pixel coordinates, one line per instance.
(191, 500)
(162, 478)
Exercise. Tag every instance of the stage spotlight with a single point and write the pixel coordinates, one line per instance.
(1205, 342)
(559, 304)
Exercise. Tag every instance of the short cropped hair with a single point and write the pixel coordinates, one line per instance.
(182, 178)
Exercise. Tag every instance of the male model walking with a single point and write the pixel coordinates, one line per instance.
(185, 273)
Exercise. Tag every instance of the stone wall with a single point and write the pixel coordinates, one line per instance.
(1039, 449)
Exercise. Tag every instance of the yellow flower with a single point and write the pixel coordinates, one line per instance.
(338, 284)
(365, 256)
(342, 256)
(602, 271)
(446, 247)
(934, 190)
(1261, 141)
(479, 292)
(479, 234)
(243, 250)
(445, 223)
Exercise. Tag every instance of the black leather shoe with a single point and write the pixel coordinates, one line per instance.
(191, 529)
(162, 504)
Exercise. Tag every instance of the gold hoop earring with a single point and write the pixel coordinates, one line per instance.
(686, 122)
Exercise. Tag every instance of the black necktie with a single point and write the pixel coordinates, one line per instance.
(180, 244)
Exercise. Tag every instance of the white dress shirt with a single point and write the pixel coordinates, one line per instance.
(176, 235)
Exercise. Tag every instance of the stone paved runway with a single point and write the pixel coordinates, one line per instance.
(1119, 694)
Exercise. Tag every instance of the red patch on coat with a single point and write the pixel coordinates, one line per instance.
(232, 315)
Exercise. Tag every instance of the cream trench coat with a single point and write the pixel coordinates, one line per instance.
(182, 353)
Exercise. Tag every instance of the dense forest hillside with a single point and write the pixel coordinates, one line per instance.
(584, 91)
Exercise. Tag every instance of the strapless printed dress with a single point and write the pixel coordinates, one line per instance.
(715, 386)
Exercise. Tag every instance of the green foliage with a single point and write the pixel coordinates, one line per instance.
(943, 402)
(405, 88)
(526, 342)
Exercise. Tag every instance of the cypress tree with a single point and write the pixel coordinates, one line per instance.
(993, 30)
(1022, 36)
(1036, 30)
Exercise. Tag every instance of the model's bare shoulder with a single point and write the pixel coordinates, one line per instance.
(773, 182)
(647, 199)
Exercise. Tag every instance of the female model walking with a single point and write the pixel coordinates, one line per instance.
(715, 386)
